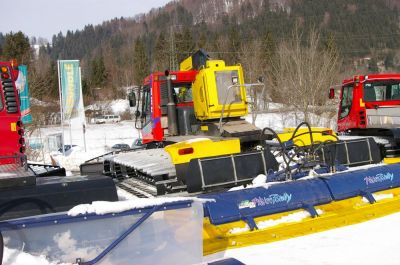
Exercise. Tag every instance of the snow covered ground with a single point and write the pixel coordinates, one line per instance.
(369, 243)
(99, 140)
(101, 137)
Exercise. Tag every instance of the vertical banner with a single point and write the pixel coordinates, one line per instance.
(70, 88)
(23, 88)
(71, 99)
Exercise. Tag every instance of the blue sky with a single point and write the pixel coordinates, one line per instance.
(44, 18)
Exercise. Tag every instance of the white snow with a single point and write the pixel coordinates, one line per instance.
(369, 243)
(290, 218)
(123, 195)
(120, 106)
(379, 197)
(99, 139)
(117, 106)
(104, 207)
(260, 179)
(279, 120)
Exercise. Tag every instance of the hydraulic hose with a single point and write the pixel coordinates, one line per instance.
(280, 143)
(287, 160)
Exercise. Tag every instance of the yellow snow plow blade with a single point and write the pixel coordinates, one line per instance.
(298, 223)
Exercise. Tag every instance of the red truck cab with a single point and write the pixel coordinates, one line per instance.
(155, 99)
(370, 103)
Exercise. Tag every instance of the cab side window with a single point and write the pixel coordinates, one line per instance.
(346, 102)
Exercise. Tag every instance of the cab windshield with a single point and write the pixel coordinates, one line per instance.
(227, 90)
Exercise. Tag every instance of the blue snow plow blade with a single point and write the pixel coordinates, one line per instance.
(363, 182)
(247, 204)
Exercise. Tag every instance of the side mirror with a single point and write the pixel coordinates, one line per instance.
(331, 93)
(132, 99)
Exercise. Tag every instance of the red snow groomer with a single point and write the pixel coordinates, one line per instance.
(370, 106)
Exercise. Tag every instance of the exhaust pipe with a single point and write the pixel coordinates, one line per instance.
(171, 108)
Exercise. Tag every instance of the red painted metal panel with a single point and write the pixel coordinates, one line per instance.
(153, 131)
(10, 125)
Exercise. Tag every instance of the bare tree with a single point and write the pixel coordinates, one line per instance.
(302, 73)
(251, 58)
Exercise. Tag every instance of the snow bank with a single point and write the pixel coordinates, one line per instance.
(76, 157)
(99, 140)
(120, 106)
(104, 207)
(117, 106)
(277, 121)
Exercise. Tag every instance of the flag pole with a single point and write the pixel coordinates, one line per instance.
(61, 107)
(83, 109)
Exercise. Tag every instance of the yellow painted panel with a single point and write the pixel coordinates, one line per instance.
(303, 136)
(391, 160)
(186, 64)
(204, 128)
(202, 147)
(207, 105)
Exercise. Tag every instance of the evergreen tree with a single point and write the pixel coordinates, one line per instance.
(141, 62)
(330, 44)
(233, 45)
(98, 74)
(268, 47)
(184, 44)
(52, 80)
(1, 42)
(161, 56)
(16, 46)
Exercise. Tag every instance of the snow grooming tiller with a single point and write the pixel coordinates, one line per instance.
(278, 211)
(166, 231)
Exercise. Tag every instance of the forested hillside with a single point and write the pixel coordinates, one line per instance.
(363, 35)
